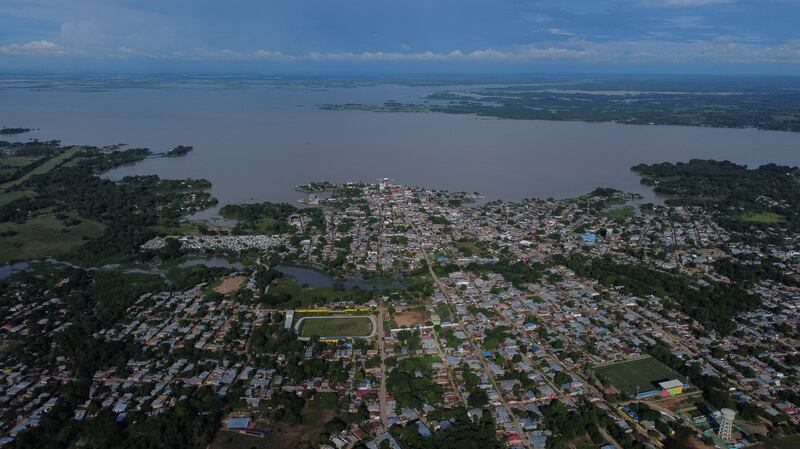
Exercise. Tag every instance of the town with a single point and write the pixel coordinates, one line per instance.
(593, 322)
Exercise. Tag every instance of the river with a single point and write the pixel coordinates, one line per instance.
(257, 144)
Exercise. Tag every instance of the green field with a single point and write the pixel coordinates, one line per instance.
(637, 375)
(54, 162)
(336, 327)
(762, 217)
(7, 197)
(621, 212)
(43, 236)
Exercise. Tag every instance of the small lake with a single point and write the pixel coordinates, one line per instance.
(318, 279)
(213, 262)
(9, 269)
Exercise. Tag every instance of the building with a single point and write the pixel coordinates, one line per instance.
(725, 431)
(671, 388)
(289, 318)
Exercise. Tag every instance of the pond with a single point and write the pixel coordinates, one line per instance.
(318, 279)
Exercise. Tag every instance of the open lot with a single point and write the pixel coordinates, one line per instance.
(280, 435)
(230, 284)
(43, 236)
(335, 326)
(763, 217)
(637, 375)
(621, 212)
(409, 318)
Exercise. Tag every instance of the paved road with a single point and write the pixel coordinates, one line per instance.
(477, 351)
(382, 395)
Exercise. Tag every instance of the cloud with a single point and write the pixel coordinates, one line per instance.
(560, 32)
(725, 50)
(519, 54)
(721, 48)
(34, 48)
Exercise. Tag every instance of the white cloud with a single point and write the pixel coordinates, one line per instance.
(560, 32)
(520, 54)
(722, 48)
(34, 48)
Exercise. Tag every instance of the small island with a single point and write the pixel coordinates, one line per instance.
(13, 131)
(178, 151)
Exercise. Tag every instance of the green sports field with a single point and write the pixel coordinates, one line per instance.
(336, 327)
(637, 375)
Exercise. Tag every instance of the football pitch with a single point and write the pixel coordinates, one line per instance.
(336, 326)
(636, 376)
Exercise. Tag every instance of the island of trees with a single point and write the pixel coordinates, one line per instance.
(180, 150)
(13, 131)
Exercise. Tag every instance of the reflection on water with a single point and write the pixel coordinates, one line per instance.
(316, 278)
(213, 262)
(9, 269)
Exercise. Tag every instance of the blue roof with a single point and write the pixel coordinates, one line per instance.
(589, 236)
(422, 429)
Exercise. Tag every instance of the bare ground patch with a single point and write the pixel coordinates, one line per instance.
(230, 284)
(409, 318)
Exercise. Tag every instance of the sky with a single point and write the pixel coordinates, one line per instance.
(525, 36)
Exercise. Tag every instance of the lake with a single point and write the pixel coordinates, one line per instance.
(258, 143)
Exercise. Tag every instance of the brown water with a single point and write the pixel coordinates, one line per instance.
(257, 144)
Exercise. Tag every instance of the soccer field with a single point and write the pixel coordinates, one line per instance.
(637, 375)
(332, 326)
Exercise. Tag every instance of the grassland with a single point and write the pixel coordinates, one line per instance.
(9, 165)
(54, 162)
(789, 442)
(280, 435)
(42, 236)
(306, 296)
(470, 248)
(336, 327)
(621, 212)
(7, 197)
(637, 375)
(762, 217)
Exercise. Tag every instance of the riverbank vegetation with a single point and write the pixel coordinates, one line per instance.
(742, 199)
(260, 218)
(180, 150)
(13, 131)
(61, 193)
(772, 104)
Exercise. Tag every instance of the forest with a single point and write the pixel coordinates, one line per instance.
(130, 210)
(742, 199)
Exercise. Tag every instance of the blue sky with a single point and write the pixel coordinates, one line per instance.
(719, 36)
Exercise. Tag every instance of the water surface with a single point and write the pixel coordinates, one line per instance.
(317, 279)
(258, 144)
